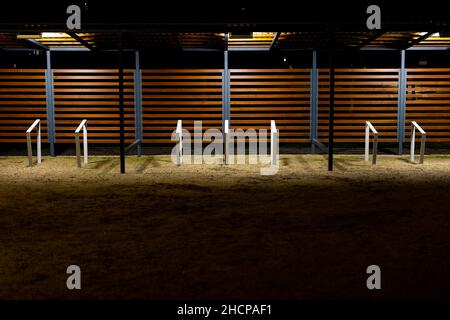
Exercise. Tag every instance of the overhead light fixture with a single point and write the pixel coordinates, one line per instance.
(29, 36)
(53, 35)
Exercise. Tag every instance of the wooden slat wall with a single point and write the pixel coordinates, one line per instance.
(22, 100)
(360, 95)
(257, 96)
(92, 94)
(186, 94)
(428, 102)
(260, 95)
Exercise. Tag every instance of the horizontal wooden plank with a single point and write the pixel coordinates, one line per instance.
(266, 76)
(22, 70)
(184, 110)
(181, 96)
(269, 83)
(91, 96)
(181, 84)
(91, 84)
(59, 71)
(91, 103)
(269, 70)
(236, 96)
(270, 102)
(21, 77)
(190, 77)
(182, 90)
(235, 90)
(248, 109)
(90, 90)
(72, 77)
(184, 103)
(144, 71)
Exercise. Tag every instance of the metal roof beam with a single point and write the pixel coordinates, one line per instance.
(369, 40)
(81, 40)
(418, 40)
(274, 40)
(38, 44)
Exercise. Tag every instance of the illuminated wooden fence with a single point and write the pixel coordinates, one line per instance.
(257, 96)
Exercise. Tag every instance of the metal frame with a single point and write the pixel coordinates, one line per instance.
(50, 104)
(423, 137)
(121, 103)
(274, 143)
(401, 110)
(331, 114)
(83, 125)
(138, 129)
(227, 140)
(369, 127)
(274, 40)
(225, 86)
(314, 101)
(37, 123)
(179, 142)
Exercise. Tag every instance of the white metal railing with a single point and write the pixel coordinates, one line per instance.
(273, 143)
(83, 125)
(415, 126)
(227, 142)
(37, 123)
(369, 127)
(179, 142)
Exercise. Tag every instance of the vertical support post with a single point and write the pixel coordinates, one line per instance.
(138, 129)
(37, 123)
(366, 143)
(29, 150)
(121, 105)
(226, 99)
(314, 101)
(227, 142)
(274, 143)
(77, 149)
(375, 148)
(422, 148)
(412, 143)
(401, 104)
(225, 87)
(85, 144)
(331, 113)
(50, 103)
(179, 143)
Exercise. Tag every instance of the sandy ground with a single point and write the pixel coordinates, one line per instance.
(214, 231)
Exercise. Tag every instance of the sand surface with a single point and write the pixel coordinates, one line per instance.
(215, 231)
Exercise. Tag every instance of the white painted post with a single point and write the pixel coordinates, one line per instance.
(413, 143)
(414, 126)
(369, 127)
(366, 147)
(274, 144)
(83, 125)
(39, 144)
(37, 123)
(85, 143)
(179, 135)
(227, 142)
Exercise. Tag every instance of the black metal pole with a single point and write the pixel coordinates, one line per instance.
(121, 106)
(331, 114)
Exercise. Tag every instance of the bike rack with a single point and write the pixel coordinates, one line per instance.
(415, 126)
(369, 127)
(37, 123)
(179, 142)
(83, 125)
